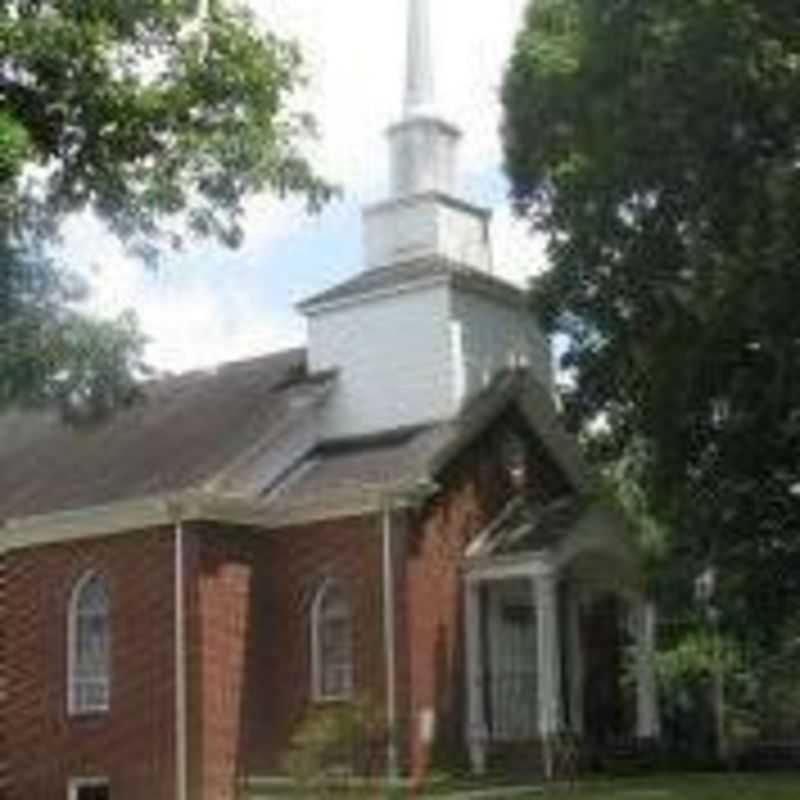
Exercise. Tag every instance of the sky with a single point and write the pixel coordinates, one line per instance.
(211, 304)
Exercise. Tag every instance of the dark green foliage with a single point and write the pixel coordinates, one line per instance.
(52, 356)
(657, 143)
(157, 118)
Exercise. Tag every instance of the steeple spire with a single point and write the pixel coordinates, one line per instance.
(423, 216)
(419, 59)
(423, 145)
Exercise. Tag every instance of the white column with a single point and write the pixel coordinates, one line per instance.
(648, 723)
(475, 733)
(575, 651)
(545, 588)
(392, 755)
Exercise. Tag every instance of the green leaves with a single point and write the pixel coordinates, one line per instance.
(50, 355)
(143, 116)
(161, 117)
(14, 148)
(656, 142)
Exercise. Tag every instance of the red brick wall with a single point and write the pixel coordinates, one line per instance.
(249, 600)
(223, 568)
(299, 560)
(476, 486)
(3, 680)
(249, 597)
(133, 744)
(249, 615)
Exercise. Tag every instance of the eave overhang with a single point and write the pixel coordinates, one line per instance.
(157, 511)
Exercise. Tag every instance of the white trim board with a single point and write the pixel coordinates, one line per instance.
(155, 511)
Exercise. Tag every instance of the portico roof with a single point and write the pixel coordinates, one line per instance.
(586, 535)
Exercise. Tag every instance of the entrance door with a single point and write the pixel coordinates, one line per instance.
(511, 633)
(604, 706)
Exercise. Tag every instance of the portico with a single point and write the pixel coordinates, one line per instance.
(531, 580)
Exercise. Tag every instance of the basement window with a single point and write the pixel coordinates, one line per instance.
(89, 789)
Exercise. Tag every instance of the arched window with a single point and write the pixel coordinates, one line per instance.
(332, 644)
(89, 636)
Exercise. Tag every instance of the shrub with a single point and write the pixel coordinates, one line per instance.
(336, 747)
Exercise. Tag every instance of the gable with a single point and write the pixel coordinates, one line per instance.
(537, 419)
(353, 475)
(491, 471)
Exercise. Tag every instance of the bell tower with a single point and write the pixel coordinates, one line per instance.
(424, 326)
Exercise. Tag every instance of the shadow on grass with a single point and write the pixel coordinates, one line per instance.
(733, 786)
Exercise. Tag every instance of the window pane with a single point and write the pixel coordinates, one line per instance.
(94, 596)
(91, 694)
(91, 656)
(335, 644)
(93, 793)
(92, 644)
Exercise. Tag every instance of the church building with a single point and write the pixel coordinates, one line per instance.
(393, 512)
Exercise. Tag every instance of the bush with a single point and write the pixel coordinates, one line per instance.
(685, 673)
(336, 747)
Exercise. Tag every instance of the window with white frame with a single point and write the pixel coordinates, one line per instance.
(89, 635)
(332, 643)
(89, 789)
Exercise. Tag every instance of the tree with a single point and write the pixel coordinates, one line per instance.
(657, 144)
(158, 116)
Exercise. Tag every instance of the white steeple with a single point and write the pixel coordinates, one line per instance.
(418, 333)
(423, 145)
(419, 59)
(423, 216)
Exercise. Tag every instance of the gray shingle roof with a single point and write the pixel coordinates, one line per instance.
(408, 456)
(387, 278)
(392, 458)
(528, 525)
(187, 429)
(247, 430)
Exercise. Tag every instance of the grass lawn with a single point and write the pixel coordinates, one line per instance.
(694, 787)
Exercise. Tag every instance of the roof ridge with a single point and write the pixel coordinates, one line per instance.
(390, 277)
(214, 369)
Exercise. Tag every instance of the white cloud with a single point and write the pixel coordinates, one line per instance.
(518, 256)
(355, 51)
(194, 314)
(214, 305)
(198, 327)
